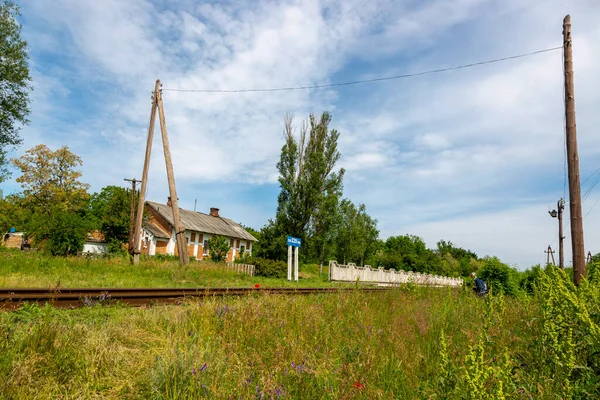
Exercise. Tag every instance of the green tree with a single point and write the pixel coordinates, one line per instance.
(12, 213)
(61, 232)
(307, 178)
(111, 212)
(356, 233)
(499, 276)
(272, 242)
(322, 228)
(51, 178)
(55, 198)
(218, 246)
(15, 82)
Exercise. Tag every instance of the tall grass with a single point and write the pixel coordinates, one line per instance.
(404, 343)
(19, 269)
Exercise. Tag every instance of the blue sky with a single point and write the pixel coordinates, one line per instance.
(474, 156)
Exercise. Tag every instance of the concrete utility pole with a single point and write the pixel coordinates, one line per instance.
(561, 253)
(132, 216)
(179, 229)
(573, 158)
(549, 253)
(142, 198)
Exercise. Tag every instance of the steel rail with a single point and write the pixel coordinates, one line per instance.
(13, 298)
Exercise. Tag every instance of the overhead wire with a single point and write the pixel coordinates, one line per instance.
(386, 78)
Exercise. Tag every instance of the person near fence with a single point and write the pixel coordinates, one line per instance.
(479, 287)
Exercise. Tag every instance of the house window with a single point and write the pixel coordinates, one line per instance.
(237, 246)
(242, 249)
(193, 238)
(249, 246)
(205, 250)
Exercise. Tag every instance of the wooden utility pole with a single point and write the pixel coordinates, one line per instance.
(550, 253)
(179, 229)
(573, 158)
(132, 216)
(142, 198)
(561, 249)
(561, 253)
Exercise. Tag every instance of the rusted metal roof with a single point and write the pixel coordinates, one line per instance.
(95, 236)
(200, 222)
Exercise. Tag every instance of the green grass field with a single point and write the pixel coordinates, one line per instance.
(19, 269)
(405, 343)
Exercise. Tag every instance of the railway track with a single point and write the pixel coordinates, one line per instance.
(13, 298)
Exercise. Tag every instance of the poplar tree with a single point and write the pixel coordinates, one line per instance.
(310, 185)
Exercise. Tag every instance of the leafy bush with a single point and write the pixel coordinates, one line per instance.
(499, 276)
(268, 268)
(166, 257)
(61, 233)
(115, 247)
(218, 246)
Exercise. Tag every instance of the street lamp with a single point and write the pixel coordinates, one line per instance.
(560, 205)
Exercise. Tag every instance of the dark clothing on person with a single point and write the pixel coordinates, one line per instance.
(480, 287)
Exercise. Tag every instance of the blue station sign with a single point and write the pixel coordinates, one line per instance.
(294, 242)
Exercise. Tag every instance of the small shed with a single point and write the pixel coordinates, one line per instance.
(13, 240)
(95, 243)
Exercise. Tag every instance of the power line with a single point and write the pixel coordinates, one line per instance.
(387, 78)
(590, 210)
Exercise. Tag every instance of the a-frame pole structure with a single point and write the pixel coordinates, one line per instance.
(184, 258)
(179, 229)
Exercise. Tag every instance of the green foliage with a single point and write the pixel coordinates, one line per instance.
(268, 268)
(115, 246)
(310, 190)
(218, 246)
(14, 80)
(13, 214)
(60, 233)
(529, 278)
(425, 343)
(356, 233)
(499, 276)
(111, 212)
(50, 179)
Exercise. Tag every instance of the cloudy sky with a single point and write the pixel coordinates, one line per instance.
(475, 155)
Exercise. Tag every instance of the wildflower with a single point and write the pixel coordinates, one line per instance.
(203, 367)
(256, 286)
(358, 385)
(194, 371)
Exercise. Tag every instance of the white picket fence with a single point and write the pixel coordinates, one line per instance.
(241, 268)
(350, 273)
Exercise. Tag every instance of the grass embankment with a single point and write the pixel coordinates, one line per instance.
(19, 269)
(363, 345)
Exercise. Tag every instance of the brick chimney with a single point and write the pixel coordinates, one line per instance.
(214, 212)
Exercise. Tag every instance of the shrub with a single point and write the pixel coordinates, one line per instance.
(166, 257)
(218, 246)
(499, 276)
(269, 268)
(115, 247)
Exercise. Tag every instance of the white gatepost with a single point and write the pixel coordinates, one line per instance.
(290, 258)
(293, 257)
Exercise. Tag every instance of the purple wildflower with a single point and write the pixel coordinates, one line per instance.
(203, 367)
(194, 371)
